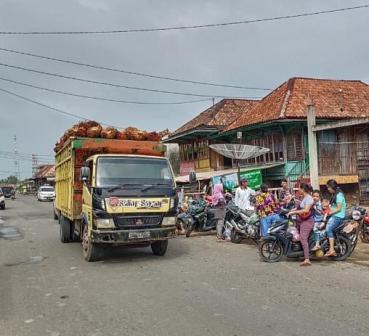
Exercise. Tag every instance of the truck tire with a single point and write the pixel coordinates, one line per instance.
(64, 226)
(91, 252)
(159, 248)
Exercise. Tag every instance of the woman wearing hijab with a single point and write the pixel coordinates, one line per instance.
(218, 203)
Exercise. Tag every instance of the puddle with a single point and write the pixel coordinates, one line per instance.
(30, 260)
(10, 233)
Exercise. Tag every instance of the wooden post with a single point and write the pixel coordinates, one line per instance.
(313, 149)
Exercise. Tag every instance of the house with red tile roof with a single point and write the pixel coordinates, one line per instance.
(45, 174)
(194, 137)
(279, 122)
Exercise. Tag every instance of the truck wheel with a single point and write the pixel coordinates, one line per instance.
(91, 251)
(159, 248)
(64, 225)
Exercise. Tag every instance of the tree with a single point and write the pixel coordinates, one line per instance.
(10, 180)
(175, 162)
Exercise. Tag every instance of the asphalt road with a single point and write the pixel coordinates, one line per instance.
(199, 288)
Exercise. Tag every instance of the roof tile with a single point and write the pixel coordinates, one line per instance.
(333, 99)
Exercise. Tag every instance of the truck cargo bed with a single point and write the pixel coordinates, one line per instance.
(72, 157)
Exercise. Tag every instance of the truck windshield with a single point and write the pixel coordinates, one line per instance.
(112, 171)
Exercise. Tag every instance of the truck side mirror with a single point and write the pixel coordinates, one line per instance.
(85, 174)
(192, 178)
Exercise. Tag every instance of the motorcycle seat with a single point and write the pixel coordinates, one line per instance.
(340, 227)
(279, 223)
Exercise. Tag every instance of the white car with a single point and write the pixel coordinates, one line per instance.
(2, 200)
(46, 193)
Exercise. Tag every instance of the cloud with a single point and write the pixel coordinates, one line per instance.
(264, 55)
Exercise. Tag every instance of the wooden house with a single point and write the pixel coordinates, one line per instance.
(195, 136)
(279, 122)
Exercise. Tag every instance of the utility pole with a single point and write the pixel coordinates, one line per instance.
(34, 164)
(313, 148)
(16, 159)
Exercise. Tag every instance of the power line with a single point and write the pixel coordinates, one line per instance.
(78, 117)
(111, 84)
(21, 153)
(75, 116)
(211, 25)
(131, 72)
(102, 98)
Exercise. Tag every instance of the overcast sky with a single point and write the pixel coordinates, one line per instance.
(258, 55)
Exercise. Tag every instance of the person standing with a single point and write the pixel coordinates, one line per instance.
(267, 209)
(242, 197)
(218, 203)
(337, 214)
(306, 223)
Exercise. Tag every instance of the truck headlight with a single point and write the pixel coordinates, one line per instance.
(104, 223)
(169, 221)
(172, 202)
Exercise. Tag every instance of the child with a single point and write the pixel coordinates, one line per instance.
(320, 212)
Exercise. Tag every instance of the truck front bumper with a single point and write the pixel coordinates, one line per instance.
(132, 236)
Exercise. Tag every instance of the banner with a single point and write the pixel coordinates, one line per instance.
(230, 181)
(254, 177)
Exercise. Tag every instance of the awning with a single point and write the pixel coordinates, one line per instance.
(208, 175)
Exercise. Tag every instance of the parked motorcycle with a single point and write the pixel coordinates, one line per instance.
(243, 224)
(280, 241)
(198, 217)
(364, 227)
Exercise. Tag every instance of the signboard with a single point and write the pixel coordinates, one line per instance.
(254, 178)
(186, 167)
(230, 181)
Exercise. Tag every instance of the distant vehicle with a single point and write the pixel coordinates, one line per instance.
(8, 191)
(46, 193)
(2, 200)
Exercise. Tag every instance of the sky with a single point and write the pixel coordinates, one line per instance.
(261, 55)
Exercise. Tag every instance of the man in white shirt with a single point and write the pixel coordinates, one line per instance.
(243, 193)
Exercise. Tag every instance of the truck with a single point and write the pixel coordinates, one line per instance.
(113, 192)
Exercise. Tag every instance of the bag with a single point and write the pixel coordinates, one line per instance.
(295, 233)
(305, 216)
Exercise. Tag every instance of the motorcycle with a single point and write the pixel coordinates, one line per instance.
(364, 227)
(281, 240)
(198, 217)
(243, 224)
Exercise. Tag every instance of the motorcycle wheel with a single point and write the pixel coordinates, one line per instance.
(364, 236)
(271, 251)
(181, 226)
(189, 230)
(235, 237)
(342, 247)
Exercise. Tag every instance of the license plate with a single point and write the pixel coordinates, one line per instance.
(139, 235)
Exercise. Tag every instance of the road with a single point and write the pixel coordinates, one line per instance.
(199, 288)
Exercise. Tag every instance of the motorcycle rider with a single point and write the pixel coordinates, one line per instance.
(306, 223)
(286, 194)
(242, 196)
(337, 214)
(267, 208)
